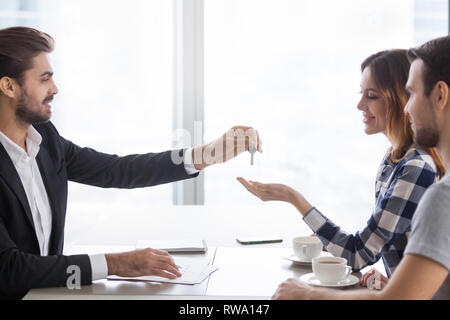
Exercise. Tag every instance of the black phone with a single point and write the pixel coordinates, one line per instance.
(257, 240)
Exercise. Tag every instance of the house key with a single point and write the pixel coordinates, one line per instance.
(252, 151)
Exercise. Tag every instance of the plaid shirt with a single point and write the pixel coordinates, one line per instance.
(398, 189)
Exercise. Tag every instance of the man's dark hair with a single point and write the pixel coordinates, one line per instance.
(436, 57)
(18, 47)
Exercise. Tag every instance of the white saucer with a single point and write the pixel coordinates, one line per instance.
(310, 279)
(296, 260)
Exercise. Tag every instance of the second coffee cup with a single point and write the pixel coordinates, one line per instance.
(307, 248)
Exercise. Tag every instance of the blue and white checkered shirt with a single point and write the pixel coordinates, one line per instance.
(398, 189)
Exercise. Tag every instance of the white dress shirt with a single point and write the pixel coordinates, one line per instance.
(30, 176)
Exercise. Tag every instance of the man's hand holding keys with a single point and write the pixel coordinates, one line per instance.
(234, 142)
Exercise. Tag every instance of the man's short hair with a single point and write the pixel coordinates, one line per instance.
(18, 47)
(436, 57)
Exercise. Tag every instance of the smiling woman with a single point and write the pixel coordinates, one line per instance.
(384, 82)
(372, 105)
(383, 74)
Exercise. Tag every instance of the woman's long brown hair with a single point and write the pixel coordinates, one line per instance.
(390, 71)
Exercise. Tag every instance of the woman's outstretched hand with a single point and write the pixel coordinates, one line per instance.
(277, 192)
(267, 192)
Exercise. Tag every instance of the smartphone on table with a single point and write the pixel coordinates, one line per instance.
(258, 240)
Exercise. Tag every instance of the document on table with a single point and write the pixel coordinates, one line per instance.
(194, 271)
(175, 246)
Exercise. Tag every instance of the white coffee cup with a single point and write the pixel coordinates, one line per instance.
(330, 270)
(307, 248)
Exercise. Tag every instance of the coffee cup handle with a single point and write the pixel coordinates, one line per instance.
(348, 270)
(304, 248)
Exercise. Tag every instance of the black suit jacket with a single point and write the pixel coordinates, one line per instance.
(59, 160)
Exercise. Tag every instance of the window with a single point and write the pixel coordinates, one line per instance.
(18, 12)
(113, 67)
(114, 62)
(291, 69)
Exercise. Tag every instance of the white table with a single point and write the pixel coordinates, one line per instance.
(245, 272)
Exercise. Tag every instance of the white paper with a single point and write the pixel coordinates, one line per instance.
(194, 271)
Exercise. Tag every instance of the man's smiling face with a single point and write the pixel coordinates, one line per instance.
(37, 91)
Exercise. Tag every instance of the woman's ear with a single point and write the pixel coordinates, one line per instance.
(9, 87)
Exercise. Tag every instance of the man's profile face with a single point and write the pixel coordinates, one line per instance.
(38, 90)
(420, 108)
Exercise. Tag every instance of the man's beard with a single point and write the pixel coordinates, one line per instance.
(25, 112)
(427, 137)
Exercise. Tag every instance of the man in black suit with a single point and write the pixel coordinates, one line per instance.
(36, 164)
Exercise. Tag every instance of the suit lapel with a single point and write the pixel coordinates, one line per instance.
(9, 173)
